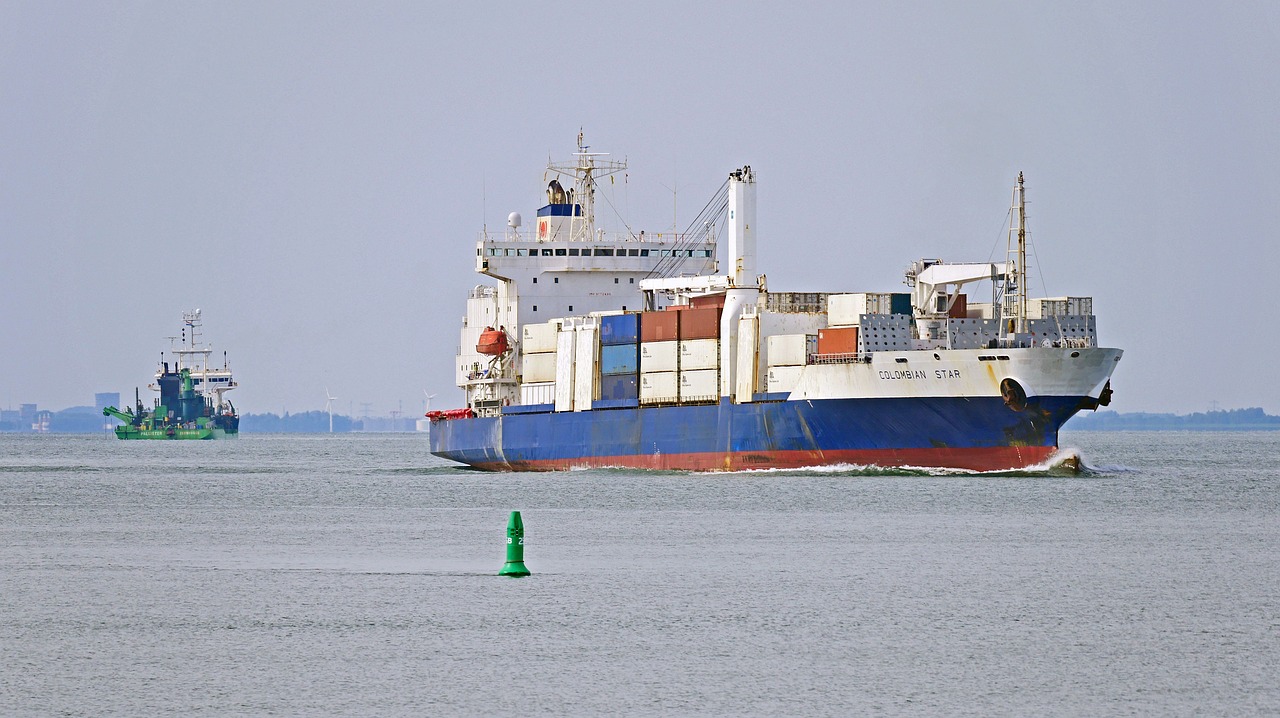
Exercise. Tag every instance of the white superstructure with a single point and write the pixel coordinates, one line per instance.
(565, 266)
(191, 353)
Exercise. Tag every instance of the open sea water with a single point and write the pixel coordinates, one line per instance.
(356, 575)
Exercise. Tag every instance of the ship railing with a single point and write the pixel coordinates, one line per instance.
(846, 358)
(599, 237)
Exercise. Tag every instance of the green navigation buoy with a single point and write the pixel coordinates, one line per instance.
(515, 548)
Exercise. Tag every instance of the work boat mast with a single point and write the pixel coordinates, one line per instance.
(1013, 306)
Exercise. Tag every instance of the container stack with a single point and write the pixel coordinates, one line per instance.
(699, 354)
(787, 355)
(538, 365)
(619, 361)
(660, 357)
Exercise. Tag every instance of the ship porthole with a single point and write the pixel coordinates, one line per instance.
(1014, 396)
(1075, 354)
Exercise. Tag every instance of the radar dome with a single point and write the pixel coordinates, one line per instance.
(513, 219)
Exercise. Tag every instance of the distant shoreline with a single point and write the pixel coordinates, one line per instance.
(1253, 419)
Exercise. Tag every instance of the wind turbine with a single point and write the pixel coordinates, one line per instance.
(426, 405)
(328, 406)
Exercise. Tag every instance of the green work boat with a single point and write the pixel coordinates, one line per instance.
(191, 403)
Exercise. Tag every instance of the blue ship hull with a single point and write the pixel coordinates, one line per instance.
(979, 433)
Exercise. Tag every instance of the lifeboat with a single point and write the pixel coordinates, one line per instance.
(493, 342)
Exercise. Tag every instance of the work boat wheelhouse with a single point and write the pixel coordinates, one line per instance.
(599, 349)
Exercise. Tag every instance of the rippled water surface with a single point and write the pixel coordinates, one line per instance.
(356, 575)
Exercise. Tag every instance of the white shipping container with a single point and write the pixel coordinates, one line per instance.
(538, 393)
(700, 385)
(980, 310)
(783, 378)
(539, 338)
(584, 381)
(845, 310)
(659, 387)
(564, 369)
(659, 356)
(539, 368)
(699, 354)
(791, 349)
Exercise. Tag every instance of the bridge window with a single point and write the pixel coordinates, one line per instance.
(546, 253)
(602, 252)
(522, 252)
(615, 280)
(573, 252)
(633, 252)
(560, 252)
(535, 280)
(557, 281)
(644, 253)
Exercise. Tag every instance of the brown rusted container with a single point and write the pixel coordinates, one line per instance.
(660, 326)
(712, 300)
(838, 341)
(700, 323)
(960, 309)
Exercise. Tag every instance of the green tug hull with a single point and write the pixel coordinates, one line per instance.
(129, 432)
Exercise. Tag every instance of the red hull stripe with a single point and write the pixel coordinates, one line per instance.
(972, 459)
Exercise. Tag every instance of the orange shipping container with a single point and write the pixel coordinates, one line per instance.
(660, 326)
(700, 323)
(838, 341)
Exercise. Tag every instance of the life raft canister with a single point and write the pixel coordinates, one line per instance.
(492, 342)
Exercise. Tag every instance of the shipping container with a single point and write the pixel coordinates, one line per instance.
(838, 340)
(845, 310)
(565, 352)
(621, 386)
(700, 323)
(791, 349)
(700, 385)
(659, 356)
(660, 326)
(900, 303)
(980, 310)
(959, 308)
(539, 367)
(584, 366)
(620, 359)
(699, 354)
(538, 338)
(708, 301)
(538, 393)
(619, 329)
(659, 387)
(782, 378)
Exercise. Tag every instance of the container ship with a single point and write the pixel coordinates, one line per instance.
(191, 404)
(597, 349)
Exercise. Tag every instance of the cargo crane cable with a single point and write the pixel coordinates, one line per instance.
(711, 215)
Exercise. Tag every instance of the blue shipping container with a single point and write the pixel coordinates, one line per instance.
(620, 359)
(619, 329)
(900, 303)
(621, 386)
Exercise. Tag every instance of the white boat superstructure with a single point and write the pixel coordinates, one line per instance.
(191, 353)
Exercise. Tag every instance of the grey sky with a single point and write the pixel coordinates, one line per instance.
(313, 175)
